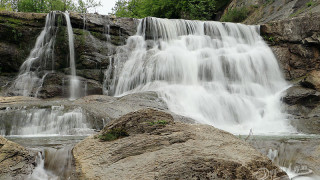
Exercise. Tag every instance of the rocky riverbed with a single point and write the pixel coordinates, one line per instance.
(157, 146)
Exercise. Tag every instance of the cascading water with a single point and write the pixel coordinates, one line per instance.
(36, 67)
(53, 164)
(33, 69)
(74, 81)
(44, 122)
(222, 74)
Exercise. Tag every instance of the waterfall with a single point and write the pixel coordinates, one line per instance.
(32, 70)
(107, 79)
(44, 122)
(222, 74)
(285, 158)
(74, 81)
(53, 164)
(35, 68)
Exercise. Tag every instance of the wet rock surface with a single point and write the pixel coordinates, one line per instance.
(295, 42)
(300, 153)
(96, 38)
(169, 150)
(300, 95)
(98, 109)
(303, 106)
(16, 162)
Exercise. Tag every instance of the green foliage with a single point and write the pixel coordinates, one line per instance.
(16, 35)
(7, 4)
(41, 6)
(113, 134)
(84, 5)
(269, 39)
(172, 9)
(310, 3)
(299, 11)
(160, 122)
(235, 15)
(45, 6)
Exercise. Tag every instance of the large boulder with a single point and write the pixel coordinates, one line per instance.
(303, 106)
(152, 146)
(15, 161)
(300, 95)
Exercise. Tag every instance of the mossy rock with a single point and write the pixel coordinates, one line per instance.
(113, 134)
(143, 121)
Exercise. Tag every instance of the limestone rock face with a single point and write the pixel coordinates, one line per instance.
(95, 40)
(159, 148)
(303, 105)
(295, 42)
(312, 80)
(263, 11)
(297, 94)
(15, 161)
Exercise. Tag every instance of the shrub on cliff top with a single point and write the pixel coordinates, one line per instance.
(172, 9)
(235, 15)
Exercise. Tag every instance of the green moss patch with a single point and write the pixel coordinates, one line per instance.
(160, 122)
(113, 134)
(235, 15)
(11, 20)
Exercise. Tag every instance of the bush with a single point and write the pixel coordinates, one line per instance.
(310, 3)
(172, 9)
(235, 15)
(113, 134)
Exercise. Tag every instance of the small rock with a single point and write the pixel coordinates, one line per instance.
(312, 80)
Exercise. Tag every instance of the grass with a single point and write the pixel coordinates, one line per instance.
(235, 15)
(11, 20)
(113, 134)
(301, 10)
(160, 122)
(310, 3)
(297, 12)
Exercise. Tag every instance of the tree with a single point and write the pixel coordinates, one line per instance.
(85, 5)
(9, 5)
(45, 6)
(187, 9)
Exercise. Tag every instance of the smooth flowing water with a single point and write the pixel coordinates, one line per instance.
(75, 89)
(53, 164)
(222, 74)
(54, 160)
(39, 62)
(44, 122)
(296, 154)
(50, 131)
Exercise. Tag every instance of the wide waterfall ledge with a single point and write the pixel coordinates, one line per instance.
(222, 74)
